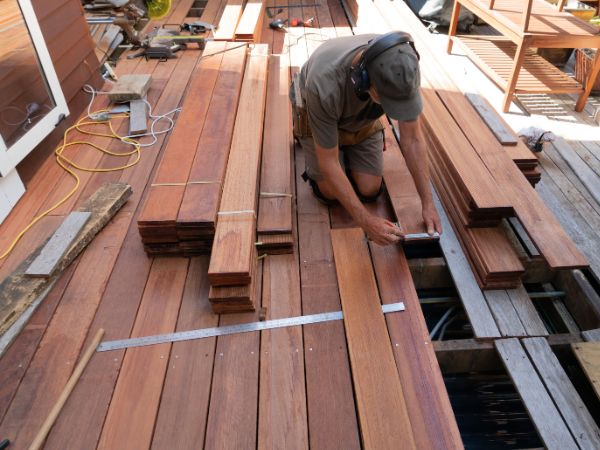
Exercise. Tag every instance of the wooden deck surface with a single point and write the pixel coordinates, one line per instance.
(287, 388)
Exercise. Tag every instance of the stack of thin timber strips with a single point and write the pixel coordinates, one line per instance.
(205, 193)
(480, 182)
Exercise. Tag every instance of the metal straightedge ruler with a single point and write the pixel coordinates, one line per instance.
(233, 329)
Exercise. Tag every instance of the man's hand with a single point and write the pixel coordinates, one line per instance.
(432, 219)
(381, 231)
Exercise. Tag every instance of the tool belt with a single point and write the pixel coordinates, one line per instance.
(302, 129)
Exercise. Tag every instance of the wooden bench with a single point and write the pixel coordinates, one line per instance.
(510, 61)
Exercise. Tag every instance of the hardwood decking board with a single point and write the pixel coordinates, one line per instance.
(132, 413)
(428, 405)
(502, 131)
(181, 421)
(229, 20)
(77, 428)
(235, 381)
(470, 294)
(504, 312)
(48, 371)
(15, 361)
(528, 315)
(275, 212)
(235, 232)
(576, 415)
(212, 152)
(282, 413)
(250, 24)
(546, 418)
(332, 420)
(401, 187)
(382, 410)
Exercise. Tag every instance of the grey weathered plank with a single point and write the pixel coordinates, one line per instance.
(591, 335)
(504, 312)
(138, 117)
(576, 415)
(497, 125)
(46, 262)
(470, 294)
(520, 231)
(530, 319)
(546, 418)
(588, 177)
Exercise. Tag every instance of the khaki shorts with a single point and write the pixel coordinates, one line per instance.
(364, 157)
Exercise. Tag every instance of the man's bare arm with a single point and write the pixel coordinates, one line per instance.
(416, 155)
(379, 230)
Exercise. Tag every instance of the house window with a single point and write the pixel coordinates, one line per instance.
(31, 99)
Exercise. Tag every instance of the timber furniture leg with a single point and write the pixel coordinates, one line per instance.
(589, 83)
(453, 25)
(514, 76)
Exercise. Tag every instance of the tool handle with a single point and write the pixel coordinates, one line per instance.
(38, 442)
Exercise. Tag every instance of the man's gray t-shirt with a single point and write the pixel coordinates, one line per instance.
(328, 93)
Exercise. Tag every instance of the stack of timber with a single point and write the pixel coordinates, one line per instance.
(229, 20)
(477, 180)
(233, 263)
(274, 227)
(180, 211)
(516, 149)
(250, 25)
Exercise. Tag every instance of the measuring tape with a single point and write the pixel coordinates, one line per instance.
(233, 329)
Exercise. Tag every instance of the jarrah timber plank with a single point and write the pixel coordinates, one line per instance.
(332, 420)
(168, 186)
(236, 225)
(472, 298)
(432, 419)
(235, 381)
(229, 20)
(576, 415)
(249, 26)
(588, 355)
(275, 203)
(57, 353)
(132, 412)
(401, 187)
(282, 414)
(384, 419)
(81, 428)
(210, 160)
(181, 421)
(546, 418)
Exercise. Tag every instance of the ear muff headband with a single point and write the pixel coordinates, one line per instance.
(358, 73)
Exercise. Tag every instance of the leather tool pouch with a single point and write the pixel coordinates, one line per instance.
(353, 138)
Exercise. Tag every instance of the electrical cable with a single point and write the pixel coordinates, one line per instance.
(95, 118)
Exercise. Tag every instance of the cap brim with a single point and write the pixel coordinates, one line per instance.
(407, 109)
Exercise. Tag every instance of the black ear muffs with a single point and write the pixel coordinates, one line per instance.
(358, 73)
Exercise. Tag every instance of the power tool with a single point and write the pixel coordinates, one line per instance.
(162, 43)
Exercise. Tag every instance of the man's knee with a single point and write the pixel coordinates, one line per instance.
(368, 186)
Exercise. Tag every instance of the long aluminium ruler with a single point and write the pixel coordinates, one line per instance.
(233, 329)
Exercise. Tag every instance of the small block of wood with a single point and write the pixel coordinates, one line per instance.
(46, 262)
(130, 87)
(138, 117)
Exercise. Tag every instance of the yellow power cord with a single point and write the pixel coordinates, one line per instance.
(67, 163)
